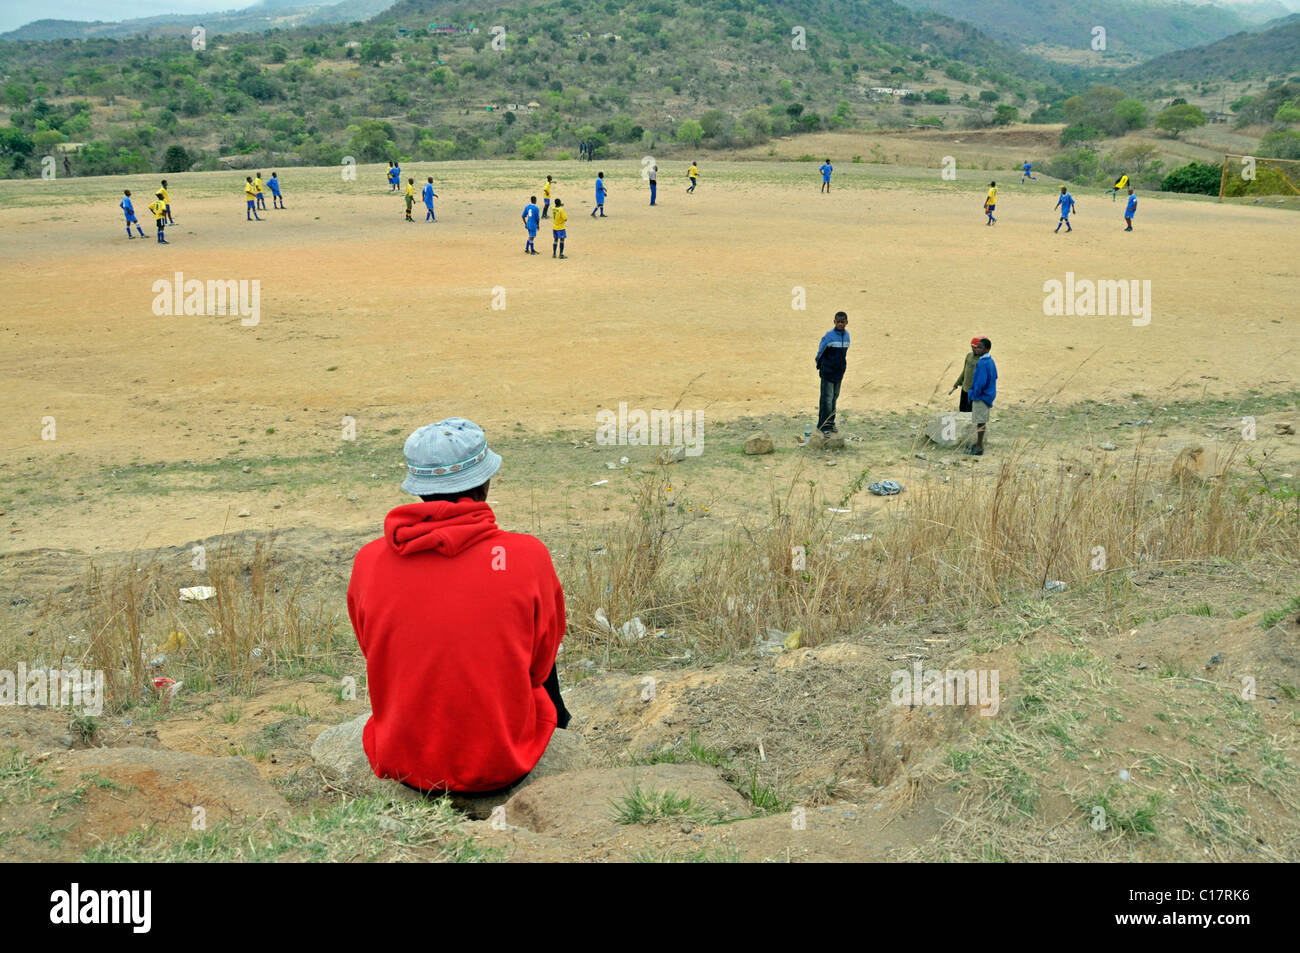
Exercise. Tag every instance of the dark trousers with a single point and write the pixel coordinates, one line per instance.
(654, 186)
(552, 686)
(826, 410)
(964, 405)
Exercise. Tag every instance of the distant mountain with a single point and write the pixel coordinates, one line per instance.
(269, 14)
(1134, 28)
(1263, 52)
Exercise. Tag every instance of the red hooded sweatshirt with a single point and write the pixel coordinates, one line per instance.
(459, 622)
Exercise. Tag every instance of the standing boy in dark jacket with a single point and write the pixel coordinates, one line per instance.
(832, 359)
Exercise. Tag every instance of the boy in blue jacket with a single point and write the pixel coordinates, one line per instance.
(983, 390)
(832, 361)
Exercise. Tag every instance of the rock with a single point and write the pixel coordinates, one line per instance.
(340, 756)
(571, 803)
(1284, 429)
(825, 441)
(1107, 445)
(243, 513)
(162, 785)
(672, 455)
(1194, 463)
(759, 443)
(950, 429)
(565, 754)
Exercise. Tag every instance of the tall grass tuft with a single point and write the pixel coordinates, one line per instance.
(984, 534)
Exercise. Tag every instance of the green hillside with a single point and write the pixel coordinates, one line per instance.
(629, 73)
(1270, 52)
(267, 15)
(1140, 28)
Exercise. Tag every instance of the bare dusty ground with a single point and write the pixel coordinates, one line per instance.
(393, 324)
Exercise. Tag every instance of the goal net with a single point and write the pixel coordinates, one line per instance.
(1255, 175)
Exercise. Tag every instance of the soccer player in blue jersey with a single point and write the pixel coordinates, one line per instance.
(429, 195)
(1130, 210)
(273, 183)
(129, 210)
(532, 215)
(826, 171)
(1028, 173)
(600, 196)
(1066, 204)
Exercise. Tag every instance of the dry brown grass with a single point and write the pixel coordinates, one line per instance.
(261, 622)
(953, 543)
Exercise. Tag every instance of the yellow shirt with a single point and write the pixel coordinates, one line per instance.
(158, 207)
(257, 184)
(694, 173)
(410, 190)
(546, 191)
(558, 221)
(166, 196)
(249, 190)
(1123, 181)
(993, 197)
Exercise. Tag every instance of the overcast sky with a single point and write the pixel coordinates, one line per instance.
(14, 13)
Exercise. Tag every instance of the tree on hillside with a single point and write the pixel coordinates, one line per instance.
(176, 160)
(1005, 115)
(377, 51)
(1130, 114)
(371, 141)
(690, 132)
(1138, 156)
(1178, 119)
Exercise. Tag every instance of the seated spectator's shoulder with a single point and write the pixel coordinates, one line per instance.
(522, 544)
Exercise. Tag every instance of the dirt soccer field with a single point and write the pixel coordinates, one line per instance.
(687, 304)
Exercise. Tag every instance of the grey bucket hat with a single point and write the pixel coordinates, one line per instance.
(448, 457)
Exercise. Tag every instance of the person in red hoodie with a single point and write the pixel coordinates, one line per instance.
(460, 623)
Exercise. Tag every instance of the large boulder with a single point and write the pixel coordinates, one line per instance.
(341, 757)
(339, 754)
(759, 443)
(950, 429)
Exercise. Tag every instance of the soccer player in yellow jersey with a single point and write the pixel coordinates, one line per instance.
(410, 198)
(159, 209)
(250, 193)
(990, 202)
(258, 186)
(558, 231)
(1120, 184)
(692, 173)
(167, 200)
(546, 198)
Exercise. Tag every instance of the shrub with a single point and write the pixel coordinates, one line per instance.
(1198, 178)
(176, 160)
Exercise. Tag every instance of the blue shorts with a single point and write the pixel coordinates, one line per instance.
(532, 231)
(130, 219)
(250, 203)
(990, 207)
(560, 232)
